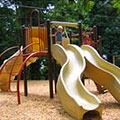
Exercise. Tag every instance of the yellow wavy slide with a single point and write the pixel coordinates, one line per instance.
(75, 98)
(102, 72)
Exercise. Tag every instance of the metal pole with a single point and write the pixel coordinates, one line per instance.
(25, 81)
(80, 32)
(50, 60)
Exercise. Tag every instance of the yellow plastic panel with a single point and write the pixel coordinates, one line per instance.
(31, 60)
(37, 47)
(36, 35)
(35, 32)
(65, 42)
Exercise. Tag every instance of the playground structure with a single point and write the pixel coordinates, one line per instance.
(69, 85)
(36, 34)
(35, 46)
(38, 43)
(85, 37)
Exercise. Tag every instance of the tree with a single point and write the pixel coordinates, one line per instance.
(70, 11)
(9, 28)
(105, 16)
(102, 13)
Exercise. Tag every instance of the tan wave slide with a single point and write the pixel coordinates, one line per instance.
(75, 98)
(10, 68)
(102, 72)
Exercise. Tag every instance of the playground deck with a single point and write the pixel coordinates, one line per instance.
(38, 105)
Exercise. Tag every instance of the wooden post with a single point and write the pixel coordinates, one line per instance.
(113, 59)
(95, 35)
(25, 68)
(55, 75)
(100, 45)
(70, 36)
(54, 66)
(95, 32)
(110, 53)
(80, 32)
(50, 61)
(53, 38)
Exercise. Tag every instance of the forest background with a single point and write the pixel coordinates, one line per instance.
(105, 14)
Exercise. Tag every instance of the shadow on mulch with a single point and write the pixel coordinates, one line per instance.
(35, 97)
(53, 102)
(13, 93)
(111, 105)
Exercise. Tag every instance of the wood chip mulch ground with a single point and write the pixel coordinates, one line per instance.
(38, 105)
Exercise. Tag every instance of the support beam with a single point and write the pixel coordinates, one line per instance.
(64, 24)
(95, 34)
(25, 68)
(80, 33)
(50, 61)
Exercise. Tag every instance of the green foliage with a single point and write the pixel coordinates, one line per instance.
(71, 11)
(43, 68)
(117, 61)
(8, 28)
(116, 4)
(39, 69)
(106, 18)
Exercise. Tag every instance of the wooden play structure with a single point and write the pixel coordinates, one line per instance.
(37, 42)
(53, 24)
(69, 25)
(87, 37)
(36, 34)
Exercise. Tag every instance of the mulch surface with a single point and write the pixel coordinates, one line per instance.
(38, 105)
